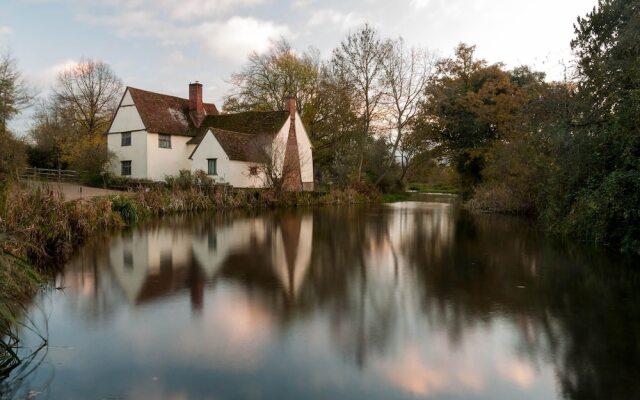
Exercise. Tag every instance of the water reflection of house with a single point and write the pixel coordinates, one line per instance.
(157, 262)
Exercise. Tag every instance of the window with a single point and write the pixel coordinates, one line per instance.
(125, 168)
(211, 166)
(166, 261)
(128, 259)
(253, 171)
(213, 241)
(164, 141)
(126, 139)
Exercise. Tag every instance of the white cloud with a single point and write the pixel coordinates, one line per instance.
(45, 78)
(336, 18)
(5, 30)
(228, 38)
(419, 4)
(187, 9)
(235, 38)
(182, 10)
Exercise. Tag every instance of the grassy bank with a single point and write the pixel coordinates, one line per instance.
(43, 229)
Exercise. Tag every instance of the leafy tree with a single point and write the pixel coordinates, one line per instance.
(594, 193)
(14, 92)
(14, 96)
(267, 79)
(469, 106)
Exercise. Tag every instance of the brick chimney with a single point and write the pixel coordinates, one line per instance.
(290, 105)
(196, 108)
(293, 178)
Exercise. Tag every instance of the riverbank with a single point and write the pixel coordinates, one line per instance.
(41, 229)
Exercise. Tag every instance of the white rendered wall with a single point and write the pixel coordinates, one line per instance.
(305, 150)
(162, 162)
(127, 119)
(235, 173)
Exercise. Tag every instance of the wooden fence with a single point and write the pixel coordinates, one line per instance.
(43, 174)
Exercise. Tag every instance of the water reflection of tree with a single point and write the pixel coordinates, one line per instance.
(575, 307)
(571, 305)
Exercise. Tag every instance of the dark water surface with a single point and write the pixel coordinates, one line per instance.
(403, 301)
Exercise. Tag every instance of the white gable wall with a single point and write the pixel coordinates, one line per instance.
(229, 171)
(127, 119)
(304, 150)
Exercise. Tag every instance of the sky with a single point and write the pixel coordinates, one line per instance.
(162, 45)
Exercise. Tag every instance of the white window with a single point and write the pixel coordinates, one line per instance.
(164, 141)
(126, 139)
(212, 167)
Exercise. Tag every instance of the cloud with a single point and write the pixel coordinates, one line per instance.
(419, 4)
(5, 30)
(182, 10)
(235, 38)
(336, 18)
(45, 78)
(230, 39)
(187, 9)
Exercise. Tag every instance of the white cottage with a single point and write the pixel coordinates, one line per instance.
(153, 135)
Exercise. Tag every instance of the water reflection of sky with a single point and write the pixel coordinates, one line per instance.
(407, 301)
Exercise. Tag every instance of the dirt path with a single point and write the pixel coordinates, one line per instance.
(72, 191)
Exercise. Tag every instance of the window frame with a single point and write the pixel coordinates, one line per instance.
(125, 139)
(215, 166)
(122, 167)
(164, 139)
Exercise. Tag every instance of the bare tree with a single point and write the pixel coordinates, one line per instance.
(405, 76)
(15, 95)
(88, 93)
(359, 58)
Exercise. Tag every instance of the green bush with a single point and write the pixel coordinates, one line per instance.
(609, 214)
(127, 209)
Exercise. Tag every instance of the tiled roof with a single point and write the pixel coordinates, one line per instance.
(243, 136)
(255, 122)
(239, 146)
(166, 114)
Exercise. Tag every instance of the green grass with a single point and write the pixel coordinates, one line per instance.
(438, 188)
(395, 197)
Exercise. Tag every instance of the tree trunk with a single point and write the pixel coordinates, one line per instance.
(393, 153)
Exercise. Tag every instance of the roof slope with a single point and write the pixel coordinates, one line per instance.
(254, 122)
(166, 114)
(238, 146)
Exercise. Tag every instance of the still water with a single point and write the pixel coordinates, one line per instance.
(405, 301)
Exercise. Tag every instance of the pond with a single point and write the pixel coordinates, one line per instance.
(402, 301)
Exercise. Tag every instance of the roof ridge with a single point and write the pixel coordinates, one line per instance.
(165, 95)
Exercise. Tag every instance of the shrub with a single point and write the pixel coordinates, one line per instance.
(127, 209)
